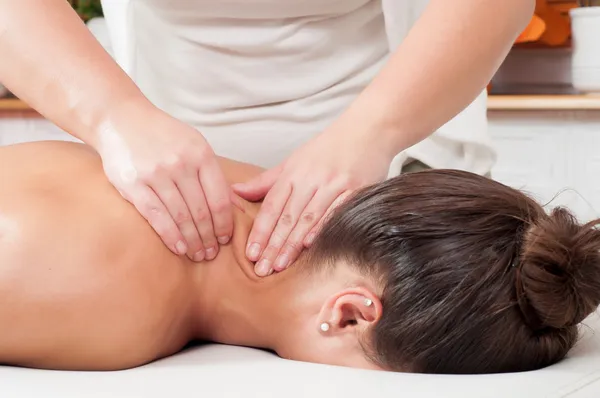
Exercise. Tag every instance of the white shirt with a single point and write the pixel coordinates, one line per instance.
(259, 78)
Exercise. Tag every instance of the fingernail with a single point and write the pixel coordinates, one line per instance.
(263, 268)
(253, 252)
(211, 253)
(282, 261)
(223, 240)
(199, 256)
(311, 238)
(181, 247)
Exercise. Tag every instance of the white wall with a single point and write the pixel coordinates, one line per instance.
(551, 153)
(14, 130)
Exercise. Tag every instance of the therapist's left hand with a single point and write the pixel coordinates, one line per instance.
(299, 193)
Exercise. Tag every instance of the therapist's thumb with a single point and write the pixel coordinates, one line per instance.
(258, 187)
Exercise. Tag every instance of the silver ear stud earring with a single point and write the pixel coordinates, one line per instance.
(368, 302)
(324, 326)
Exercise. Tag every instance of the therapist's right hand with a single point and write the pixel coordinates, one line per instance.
(169, 172)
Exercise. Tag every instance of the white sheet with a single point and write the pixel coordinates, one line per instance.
(222, 371)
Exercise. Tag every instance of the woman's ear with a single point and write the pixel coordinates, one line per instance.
(349, 311)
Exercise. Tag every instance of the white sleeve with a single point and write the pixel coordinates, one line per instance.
(116, 15)
(463, 142)
(399, 17)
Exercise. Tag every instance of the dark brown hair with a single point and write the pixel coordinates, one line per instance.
(476, 277)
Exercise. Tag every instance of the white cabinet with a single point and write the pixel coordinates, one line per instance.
(554, 155)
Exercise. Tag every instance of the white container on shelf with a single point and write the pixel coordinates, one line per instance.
(585, 25)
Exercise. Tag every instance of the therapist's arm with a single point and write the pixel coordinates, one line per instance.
(447, 59)
(164, 167)
(51, 60)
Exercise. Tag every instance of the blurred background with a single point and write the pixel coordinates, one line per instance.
(543, 105)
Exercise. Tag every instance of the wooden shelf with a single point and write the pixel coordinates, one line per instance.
(15, 108)
(495, 103)
(543, 102)
(13, 104)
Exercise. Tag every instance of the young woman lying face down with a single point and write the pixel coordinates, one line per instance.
(437, 272)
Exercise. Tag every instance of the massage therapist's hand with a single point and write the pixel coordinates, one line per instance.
(300, 192)
(168, 171)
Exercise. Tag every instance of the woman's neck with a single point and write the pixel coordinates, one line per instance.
(234, 306)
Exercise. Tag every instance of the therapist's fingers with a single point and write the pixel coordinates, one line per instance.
(170, 195)
(314, 211)
(191, 190)
(258, 187)
(266, 219)
(272, 258)
(217, 194)
(154, 211)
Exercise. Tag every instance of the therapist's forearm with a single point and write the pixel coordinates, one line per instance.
(446, 60)
(50, 59)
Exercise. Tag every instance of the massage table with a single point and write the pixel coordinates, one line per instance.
(227, 371)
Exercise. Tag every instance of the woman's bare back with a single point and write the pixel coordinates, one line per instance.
(84, 280)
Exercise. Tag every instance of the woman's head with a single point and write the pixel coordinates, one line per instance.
(467, 275)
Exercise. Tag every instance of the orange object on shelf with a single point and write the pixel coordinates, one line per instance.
(551, 25)
(533, 31)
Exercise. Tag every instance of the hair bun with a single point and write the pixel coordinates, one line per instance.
(559, 271)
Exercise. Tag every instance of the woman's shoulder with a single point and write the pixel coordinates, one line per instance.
(238, 171)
